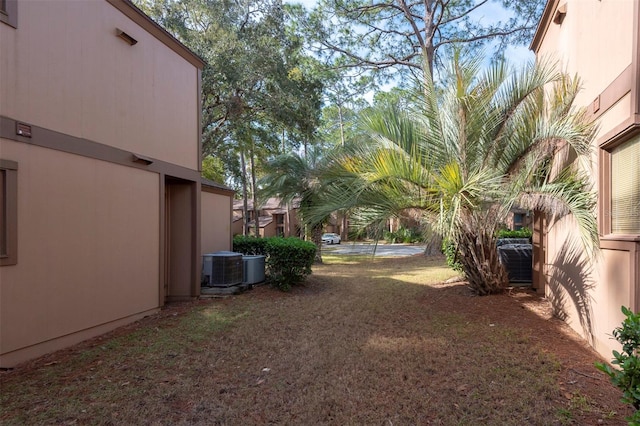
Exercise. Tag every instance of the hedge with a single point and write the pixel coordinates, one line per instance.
(288, 260)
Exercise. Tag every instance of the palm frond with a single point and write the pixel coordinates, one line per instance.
(569, 193)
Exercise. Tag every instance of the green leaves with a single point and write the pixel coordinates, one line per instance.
(412, 38)
(257, 85)
(627, 377)
(288, 261)
(466, 153)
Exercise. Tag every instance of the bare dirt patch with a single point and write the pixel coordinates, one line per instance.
(363, 342)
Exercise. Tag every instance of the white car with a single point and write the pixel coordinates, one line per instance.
(331, 238)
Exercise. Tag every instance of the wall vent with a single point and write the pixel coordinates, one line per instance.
(126, 37)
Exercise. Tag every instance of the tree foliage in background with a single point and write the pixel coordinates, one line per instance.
(299, 178)
(257, 83)
(213, 169)
(467, 153)
(410, 36)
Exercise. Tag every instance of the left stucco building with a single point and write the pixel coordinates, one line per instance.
(99, 166)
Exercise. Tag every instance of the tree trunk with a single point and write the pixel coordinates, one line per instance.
(434, 245)
(245, 205)
(479, 258)
(316, 238)
(341, 124)
(256, 211)
(344, 231)
(478, 253)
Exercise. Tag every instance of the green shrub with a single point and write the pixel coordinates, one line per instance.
(391, 237)
(250, 245)
(450, 252)
(520, 233)
(627, 377)
(403, 235)
(288, 260)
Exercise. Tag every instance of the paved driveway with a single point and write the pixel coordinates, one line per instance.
(368, 248)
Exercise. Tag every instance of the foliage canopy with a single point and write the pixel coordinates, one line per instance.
(469, 151)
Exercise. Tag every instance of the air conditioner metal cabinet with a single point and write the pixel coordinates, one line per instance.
(505, 241)
(222, 269)
(253, 269)
(518, 261)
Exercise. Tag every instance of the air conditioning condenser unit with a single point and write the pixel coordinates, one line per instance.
(222, 269)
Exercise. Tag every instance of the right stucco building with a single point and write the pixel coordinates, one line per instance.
(599, 41)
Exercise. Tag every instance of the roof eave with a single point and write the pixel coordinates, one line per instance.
(543, 25)
(153, 28)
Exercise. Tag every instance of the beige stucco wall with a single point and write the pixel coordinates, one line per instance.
(595, 42)
(88, 248)
(216, 222)
(95, 248)
(69, 72)
(587, 291)
(236, 227)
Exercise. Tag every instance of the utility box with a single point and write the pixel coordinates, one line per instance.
(504, 241)
(254, 266)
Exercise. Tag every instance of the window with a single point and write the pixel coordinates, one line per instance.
(279, 225)
(625, 188)
(518, 221)
(9, 12)
(8, 212)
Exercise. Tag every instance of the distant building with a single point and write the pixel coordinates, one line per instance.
(275, 218)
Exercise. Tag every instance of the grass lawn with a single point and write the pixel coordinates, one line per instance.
(363, 342)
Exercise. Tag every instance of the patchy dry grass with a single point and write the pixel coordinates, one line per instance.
(381, 341)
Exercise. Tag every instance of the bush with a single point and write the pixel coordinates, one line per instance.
(250, 245)
(288, 260)
(450, 252)
(403, 235)
(627, 377)
(520, 233)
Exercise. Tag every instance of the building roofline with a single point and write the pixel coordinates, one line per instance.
(206, 183)
(155, 29)
(543, 24)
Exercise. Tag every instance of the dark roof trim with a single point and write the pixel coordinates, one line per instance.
(140, 18)
(543, 25)
(211, 186)
(52, 139)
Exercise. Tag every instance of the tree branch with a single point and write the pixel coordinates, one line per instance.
(462, 15)
(481, 37)
(412, 22)
(368, 62)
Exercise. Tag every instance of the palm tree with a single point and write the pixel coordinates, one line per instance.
(293, 176)
(470, 150)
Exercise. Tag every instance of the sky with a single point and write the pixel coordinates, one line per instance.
(516, 55)
(490, 11)
(309, 4)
